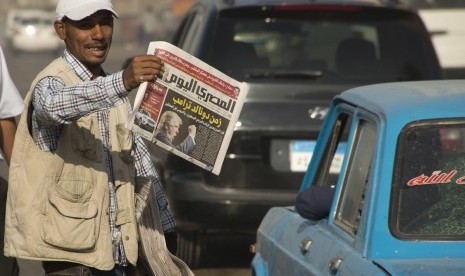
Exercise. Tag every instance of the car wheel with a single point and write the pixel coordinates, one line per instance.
(189, 248)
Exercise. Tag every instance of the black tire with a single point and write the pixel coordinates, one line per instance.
(189, 248)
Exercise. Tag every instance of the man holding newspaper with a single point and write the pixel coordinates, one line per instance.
(80, 182)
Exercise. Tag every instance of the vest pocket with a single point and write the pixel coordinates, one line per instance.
(69, 224)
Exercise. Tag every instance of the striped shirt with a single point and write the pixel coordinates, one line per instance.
(56, 105)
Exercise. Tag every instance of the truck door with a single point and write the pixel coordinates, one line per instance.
(336, 245)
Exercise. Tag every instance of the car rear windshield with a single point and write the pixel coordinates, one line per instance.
(429, 188)
(338, 44)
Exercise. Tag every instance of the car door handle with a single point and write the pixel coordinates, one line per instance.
(305, 245)
(334, 264)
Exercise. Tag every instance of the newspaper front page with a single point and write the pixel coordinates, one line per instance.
(191, 111)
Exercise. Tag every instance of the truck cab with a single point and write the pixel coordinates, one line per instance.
(398, 203)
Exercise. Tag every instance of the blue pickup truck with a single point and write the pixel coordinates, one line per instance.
(399, 202)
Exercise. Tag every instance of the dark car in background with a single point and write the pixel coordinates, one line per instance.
(295, 56)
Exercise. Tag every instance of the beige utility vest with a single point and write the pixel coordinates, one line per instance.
(58, 203)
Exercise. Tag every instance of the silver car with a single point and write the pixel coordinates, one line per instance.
(32, 31)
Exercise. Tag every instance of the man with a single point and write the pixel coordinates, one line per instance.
(168, 129)
(75, 167)
(11, 105)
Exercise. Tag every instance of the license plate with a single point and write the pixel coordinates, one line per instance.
(300, 154)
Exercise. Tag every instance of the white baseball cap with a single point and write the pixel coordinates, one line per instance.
(79, 9)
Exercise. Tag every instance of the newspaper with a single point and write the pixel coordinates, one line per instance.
(191, 111)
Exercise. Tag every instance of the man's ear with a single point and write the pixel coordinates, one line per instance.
(59, 29)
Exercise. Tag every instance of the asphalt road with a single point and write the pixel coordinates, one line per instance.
(33, 268)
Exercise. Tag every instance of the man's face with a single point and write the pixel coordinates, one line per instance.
(172, 130)
(89, 39)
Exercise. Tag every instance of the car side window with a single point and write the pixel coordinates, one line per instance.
(190, 30)
(349, 207)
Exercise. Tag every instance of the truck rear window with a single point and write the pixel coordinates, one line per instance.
(430, 184)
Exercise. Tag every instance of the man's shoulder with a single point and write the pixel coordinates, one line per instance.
(53, 68)
(57, 68)
(162, 136)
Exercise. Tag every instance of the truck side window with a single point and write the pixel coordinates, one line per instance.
(350, 205)
(331, 163)
(315, 202)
